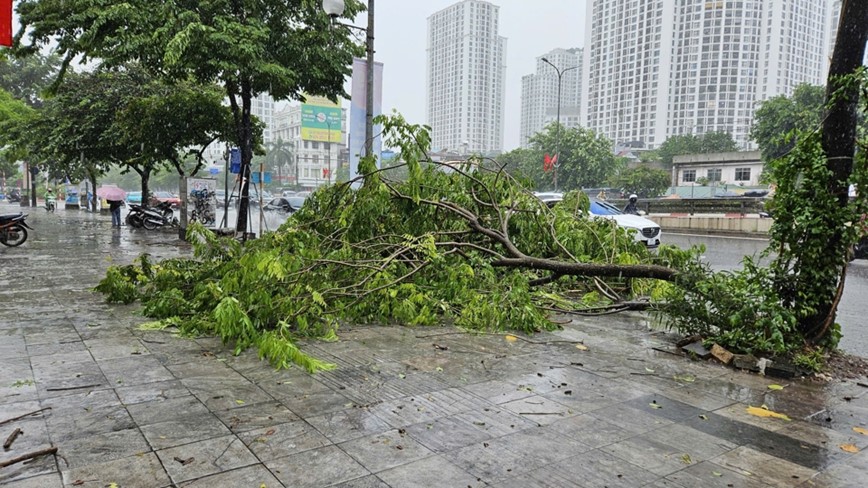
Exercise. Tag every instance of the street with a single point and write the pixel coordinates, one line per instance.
(726, 253)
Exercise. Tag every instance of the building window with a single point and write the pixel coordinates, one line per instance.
(742, 174)
(713, 175)
(688, 176)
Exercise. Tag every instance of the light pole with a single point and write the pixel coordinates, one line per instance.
(335, 8)
(560, 73)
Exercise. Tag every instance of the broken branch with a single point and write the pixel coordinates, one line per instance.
(25, 415)
(31, 455)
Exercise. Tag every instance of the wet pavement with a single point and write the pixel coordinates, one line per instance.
(406, 407)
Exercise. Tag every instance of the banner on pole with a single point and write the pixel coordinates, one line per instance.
(358, 112)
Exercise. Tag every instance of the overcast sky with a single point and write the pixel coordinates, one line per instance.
(531, 27)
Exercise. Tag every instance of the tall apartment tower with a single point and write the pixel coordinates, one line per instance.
(465, 78)
(539, 92)
(657, 68)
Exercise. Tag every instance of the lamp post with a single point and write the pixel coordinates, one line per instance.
(560, 73)
(335, 8)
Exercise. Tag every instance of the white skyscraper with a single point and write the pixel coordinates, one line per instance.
(465, 78)
(539, 92)
(657, 68)
(262, 106)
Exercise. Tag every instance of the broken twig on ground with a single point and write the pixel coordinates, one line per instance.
(30, 455)
(9, 440)
(25, 415)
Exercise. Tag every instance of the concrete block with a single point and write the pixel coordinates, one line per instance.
(745, 361)
(697, 349)
(721, 354)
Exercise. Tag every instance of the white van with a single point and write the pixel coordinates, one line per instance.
(644, 230)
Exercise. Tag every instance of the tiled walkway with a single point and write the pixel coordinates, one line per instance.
(406, 407)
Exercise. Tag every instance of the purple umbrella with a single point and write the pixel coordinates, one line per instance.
(111, 192)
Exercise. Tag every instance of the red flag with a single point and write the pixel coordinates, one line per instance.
(6, 23)
(547, 162)
(325, 172)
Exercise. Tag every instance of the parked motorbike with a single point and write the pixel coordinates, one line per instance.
(151, 217)
(14, 196)
(13, 229)
(860, 250)
(203, 206)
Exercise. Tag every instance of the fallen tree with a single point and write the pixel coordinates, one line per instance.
(467, 244)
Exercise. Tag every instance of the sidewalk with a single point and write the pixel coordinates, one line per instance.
(406, 407)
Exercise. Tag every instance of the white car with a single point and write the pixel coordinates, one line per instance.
(645, 230)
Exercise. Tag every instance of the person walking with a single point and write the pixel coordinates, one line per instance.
(115, 207)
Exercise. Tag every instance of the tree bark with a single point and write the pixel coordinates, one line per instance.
(839, 138)
(245, 140)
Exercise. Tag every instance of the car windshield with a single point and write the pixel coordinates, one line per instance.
(296, 202)
(163, 194)
(603, 208)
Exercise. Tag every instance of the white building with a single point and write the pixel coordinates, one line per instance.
(733, 168)
(262, 106)
(539, 92)
(465, 78)
(317, 162)
(657, 68)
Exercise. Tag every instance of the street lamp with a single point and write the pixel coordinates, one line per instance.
(335, 8)
(558, 135)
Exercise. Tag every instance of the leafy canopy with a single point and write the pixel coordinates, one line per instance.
(710, 142)
(644, 181)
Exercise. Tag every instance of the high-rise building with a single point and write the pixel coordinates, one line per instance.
(262, 106)
(315, 163)
(539, 92)
(657, 68)
(465, 78)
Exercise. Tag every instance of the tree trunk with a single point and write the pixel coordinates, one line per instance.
(245, 142)
(146, 179)
(839, 140)
(91, 175)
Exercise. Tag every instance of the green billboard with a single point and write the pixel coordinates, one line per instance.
(320, 120)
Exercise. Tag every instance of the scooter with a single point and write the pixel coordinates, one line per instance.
(14, 196)
(50, 203)
(13, 229)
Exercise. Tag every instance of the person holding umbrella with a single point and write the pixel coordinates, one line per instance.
(115, 198)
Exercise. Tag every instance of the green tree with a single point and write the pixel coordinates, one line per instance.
(12, 113)
(644, 181)
(283, 47)
(710, 142)
(26, 78)
(778, 117)
(278, 154)
(586, 158)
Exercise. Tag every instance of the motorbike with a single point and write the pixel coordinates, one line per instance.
(860, 250)
(203, 206)
(50, 203)
(14, 196)
(151, 217)
(13, 229)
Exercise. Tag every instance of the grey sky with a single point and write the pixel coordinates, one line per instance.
(532, 28)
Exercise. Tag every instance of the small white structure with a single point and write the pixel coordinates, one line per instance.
(732, 168)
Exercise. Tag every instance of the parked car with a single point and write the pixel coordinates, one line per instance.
(644, 230)
(285, 204)
(134, 197)
(164, 196)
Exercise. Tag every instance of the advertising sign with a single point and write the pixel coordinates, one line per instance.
(320, 120)
(357, 114)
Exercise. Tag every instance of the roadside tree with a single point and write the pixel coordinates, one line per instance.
(710, 142)
(644, 181)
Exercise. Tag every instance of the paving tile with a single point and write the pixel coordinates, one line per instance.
(104, 447)
(43, 481)
(43, 465)
(348, 424)
(205, 458)
(250, 476)
(631, 419)
(711, 475)
(490, 461)
(144, 470)
(428, 472)
(157, 411)
(320, 467)
(68, 425)
(115, 348)
(256, 416)
(386, 450)
(498, 391)
(651, 454)
(232, 396)
(281, 440)
(370, 481)
(149, 392)
(766, 468)
(589, 430)
(183, 430)
(540, 410)
(54, 348)
(134, 370)
(594, 469)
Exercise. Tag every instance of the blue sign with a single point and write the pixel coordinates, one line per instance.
(235, 161)
(254, 177)
(214, 170)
